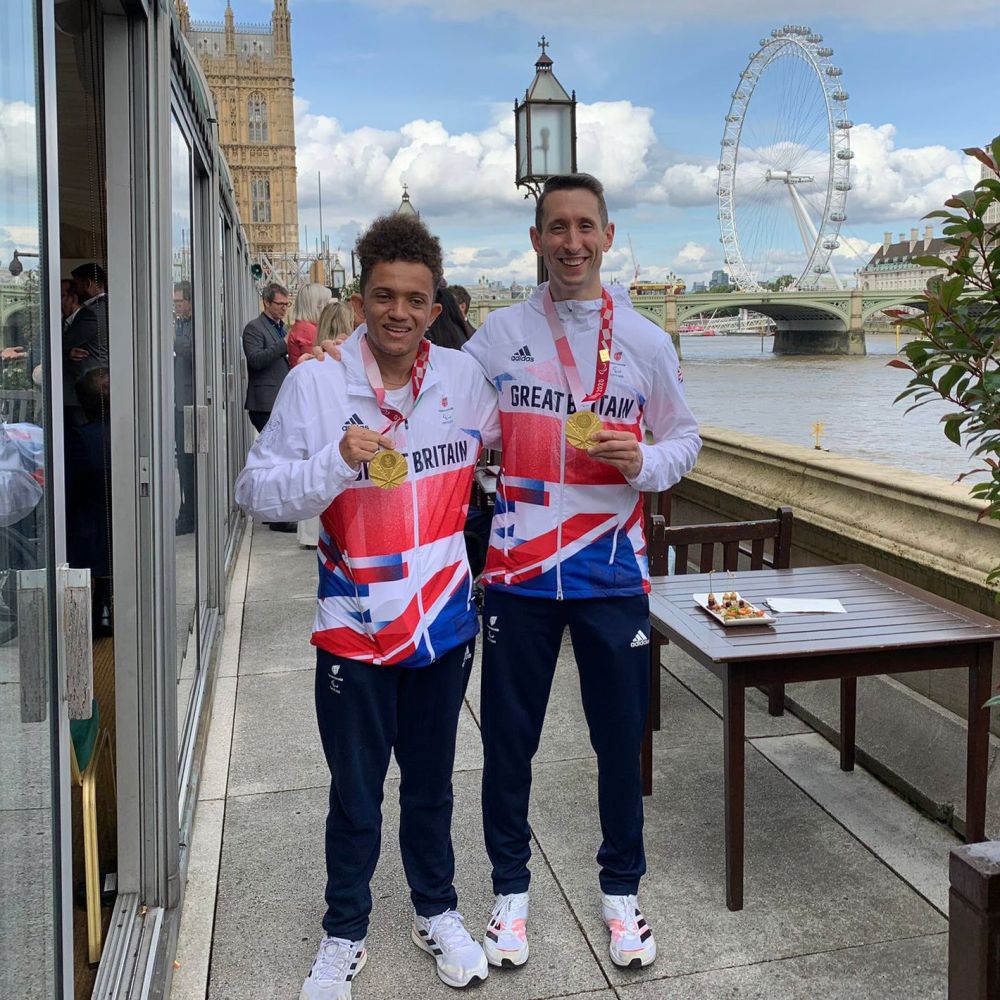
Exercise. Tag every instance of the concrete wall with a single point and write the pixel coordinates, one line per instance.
(911, 526)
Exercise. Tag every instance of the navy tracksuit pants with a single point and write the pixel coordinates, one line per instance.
(521, 639)
(364, 712)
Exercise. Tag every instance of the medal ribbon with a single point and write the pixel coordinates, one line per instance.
(378, 387)
(565, 354)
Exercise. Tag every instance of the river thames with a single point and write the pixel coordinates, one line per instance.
(731, 384)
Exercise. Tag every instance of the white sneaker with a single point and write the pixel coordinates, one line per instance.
(506, 940)
(336, 964)
(632, 943)
(460, 959)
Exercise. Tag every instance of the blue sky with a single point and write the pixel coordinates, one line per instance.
(421, 91)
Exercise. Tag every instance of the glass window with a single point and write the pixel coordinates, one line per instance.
(260, 197)
(257, 118)
(28, 810)
(183, 336)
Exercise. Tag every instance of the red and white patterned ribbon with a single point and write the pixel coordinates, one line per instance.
(565, 353)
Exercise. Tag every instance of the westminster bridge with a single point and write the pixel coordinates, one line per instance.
(807, 322)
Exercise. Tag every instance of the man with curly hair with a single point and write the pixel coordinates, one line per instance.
(383, 448)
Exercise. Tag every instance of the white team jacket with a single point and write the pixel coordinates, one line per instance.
(566, 525)
(394, 582)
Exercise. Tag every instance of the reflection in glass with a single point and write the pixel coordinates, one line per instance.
(182, 336)
(27, 894)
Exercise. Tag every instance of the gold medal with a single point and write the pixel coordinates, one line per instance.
(387, 469)
(580, 426)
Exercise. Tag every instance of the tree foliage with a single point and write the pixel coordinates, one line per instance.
(954, 356)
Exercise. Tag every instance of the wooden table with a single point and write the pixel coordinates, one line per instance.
(890, 628)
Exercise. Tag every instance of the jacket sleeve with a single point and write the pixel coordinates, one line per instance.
(291, 473)
(258, 352)
(478, 348)
(674, 430)
(487, 403)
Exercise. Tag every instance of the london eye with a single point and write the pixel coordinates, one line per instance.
(784, 170)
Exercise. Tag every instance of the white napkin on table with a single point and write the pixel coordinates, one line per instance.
(795, 605)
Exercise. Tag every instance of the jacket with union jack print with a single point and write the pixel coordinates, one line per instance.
(566, 525)
(394, 581)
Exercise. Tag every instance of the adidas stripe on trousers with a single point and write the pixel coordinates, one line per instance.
(521, 640)
(364, 712)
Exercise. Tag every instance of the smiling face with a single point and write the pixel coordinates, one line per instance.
(398, 305)
(572, 242)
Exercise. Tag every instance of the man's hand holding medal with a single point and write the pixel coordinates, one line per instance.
(359, 445)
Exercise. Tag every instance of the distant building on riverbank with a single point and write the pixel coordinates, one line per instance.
(719, 280)
(894, 265)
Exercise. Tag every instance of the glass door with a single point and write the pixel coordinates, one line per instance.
(33, 935)
(186, 297)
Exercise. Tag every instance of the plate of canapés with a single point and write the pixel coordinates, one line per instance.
(731, 609)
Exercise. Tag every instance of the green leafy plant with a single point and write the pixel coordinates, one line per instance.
(954, 356)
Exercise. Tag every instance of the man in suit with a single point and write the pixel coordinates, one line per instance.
(85, 338)
(265, 344)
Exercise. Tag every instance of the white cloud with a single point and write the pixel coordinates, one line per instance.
(904, 183)
(686, 185)
(691, 256)
(17, 140)
(907, 15)
(462, 182)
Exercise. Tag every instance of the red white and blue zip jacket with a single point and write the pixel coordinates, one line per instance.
(394, 581)
(566, 525)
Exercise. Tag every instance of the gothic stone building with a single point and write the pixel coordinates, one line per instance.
(249, 68)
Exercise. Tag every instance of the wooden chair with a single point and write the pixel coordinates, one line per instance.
(735, 539)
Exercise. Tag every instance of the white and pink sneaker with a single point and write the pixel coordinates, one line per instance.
(632, 943)
(506, 940)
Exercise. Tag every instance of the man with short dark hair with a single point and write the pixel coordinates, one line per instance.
(85, 337)
(383, 448)
(266, 349)
(265, 345)
(464, 300)
(583, 378)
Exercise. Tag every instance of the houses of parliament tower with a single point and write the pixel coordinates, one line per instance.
(249, 69)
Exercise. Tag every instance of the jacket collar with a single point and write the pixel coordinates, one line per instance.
(619, 295)
(357, 380)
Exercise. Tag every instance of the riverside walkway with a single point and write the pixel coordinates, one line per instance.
(846, 884)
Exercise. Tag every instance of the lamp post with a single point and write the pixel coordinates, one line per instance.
(338, 275)
(16, 267)
(544, 132)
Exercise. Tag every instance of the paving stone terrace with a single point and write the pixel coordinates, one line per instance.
(846, 885)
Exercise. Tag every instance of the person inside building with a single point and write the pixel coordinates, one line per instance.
(85, 335)
(382, 447)
(184, 400)
(584, 379)
(88, 493)
(309, 304)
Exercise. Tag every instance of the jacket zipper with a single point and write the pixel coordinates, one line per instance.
(416, 551)
(559, 513)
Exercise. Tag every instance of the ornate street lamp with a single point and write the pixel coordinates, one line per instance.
(337, 273)
(16, 267)
(544, 132)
